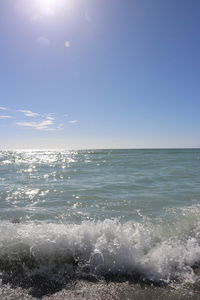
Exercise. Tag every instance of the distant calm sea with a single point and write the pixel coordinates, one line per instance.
(100, 224)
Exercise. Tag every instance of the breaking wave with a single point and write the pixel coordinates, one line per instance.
(159, 253)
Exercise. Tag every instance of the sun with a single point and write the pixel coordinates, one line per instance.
(50, 7)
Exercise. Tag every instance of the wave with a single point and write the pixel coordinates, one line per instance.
(159, 253)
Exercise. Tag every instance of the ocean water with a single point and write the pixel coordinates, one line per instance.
(100, 224)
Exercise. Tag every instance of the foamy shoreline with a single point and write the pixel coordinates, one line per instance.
(84, 290)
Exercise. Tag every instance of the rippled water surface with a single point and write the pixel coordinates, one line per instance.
(71, 186)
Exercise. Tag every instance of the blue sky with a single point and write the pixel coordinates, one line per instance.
(99, 73)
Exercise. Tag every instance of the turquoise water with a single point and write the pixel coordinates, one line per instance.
(72, 186)
(100, 214)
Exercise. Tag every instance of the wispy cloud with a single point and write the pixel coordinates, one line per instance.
(29, 113)
(34, 120)
(41, 125)
(73, 121)
(60, 126)
(46, 122)
(50, 117)
(6, 117)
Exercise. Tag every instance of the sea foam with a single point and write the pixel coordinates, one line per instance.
(153, 252)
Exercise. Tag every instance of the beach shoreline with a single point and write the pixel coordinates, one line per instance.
(102, 290)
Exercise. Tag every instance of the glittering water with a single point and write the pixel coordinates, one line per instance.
(68, 215)
(69, 186)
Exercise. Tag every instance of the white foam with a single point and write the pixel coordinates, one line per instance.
(109, 246)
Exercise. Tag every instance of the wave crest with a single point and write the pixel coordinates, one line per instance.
(109, 248)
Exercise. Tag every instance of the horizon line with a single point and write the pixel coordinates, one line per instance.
(94, 149)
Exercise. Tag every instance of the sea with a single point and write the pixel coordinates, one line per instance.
(100, 224)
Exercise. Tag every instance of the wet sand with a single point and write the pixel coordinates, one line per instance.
(101, 290)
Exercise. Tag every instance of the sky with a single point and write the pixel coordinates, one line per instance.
(80, 74)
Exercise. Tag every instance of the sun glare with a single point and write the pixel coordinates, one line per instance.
(50, 7)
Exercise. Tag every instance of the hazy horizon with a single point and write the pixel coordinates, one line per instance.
(95, 149)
